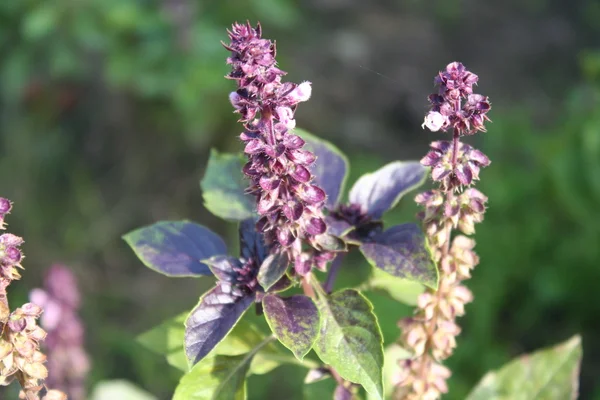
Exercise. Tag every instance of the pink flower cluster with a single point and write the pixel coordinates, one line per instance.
(289, 203)
(68, 362)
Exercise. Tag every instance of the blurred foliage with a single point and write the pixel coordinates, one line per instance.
(108, 109)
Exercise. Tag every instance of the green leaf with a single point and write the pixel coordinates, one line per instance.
(218, 377)
(223, 187)
(549, 374)
(402, 290)
(167, 339)
(350, 339)
(294, 320)
(391, 369)
(119, 389)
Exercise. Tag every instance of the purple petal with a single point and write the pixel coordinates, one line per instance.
(293, 142)
(301, 156)
(439, 172)
(293, 210)
(464, 174)
(268, 183)
(330, 168)
(301, 174)
(316, 226)
(253, 146)
(284, 236)
(379, 191)
(432, 158)
(479, 157)
(266, 203)
(312, 194)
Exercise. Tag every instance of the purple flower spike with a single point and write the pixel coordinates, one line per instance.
(278, 167)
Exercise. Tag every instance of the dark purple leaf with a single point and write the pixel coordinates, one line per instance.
(294, 320)
(272, 269)
(330, 169)
(402, 251)
(281, 285)
(379, 191)
(175, 248)
(251, 241)
(222, 267)
(211, 320)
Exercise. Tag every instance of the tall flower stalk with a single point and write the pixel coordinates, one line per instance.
(20, 336)
(290, 205)
(68, 362)
(454, 205)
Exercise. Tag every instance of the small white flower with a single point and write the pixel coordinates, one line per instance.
(235, 98)
(434, 121)
(301, 93)
(286, 117)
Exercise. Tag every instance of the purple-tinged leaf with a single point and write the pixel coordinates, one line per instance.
(381, 190)
(330, 170)
(338, 227)
(294, 320)
(223, 267)
(223, 187)
(330, 243)
(402, 251)
(342, 393)
(272, 269)
(252, 244)
(175, 248)
(212, 319)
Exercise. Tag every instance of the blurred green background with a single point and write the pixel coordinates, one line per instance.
(109, 109)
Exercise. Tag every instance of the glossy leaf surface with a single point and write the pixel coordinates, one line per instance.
(402, 251)
(381, 190)
(175, 248)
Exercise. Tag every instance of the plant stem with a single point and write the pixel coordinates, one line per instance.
(333, 271)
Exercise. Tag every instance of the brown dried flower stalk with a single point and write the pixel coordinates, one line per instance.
(431, 333)
(20, 336)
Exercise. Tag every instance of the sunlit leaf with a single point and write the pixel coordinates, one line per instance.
(549, 374)
(381, 190)
(223, 187)
(350, 339)
(217, 377)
